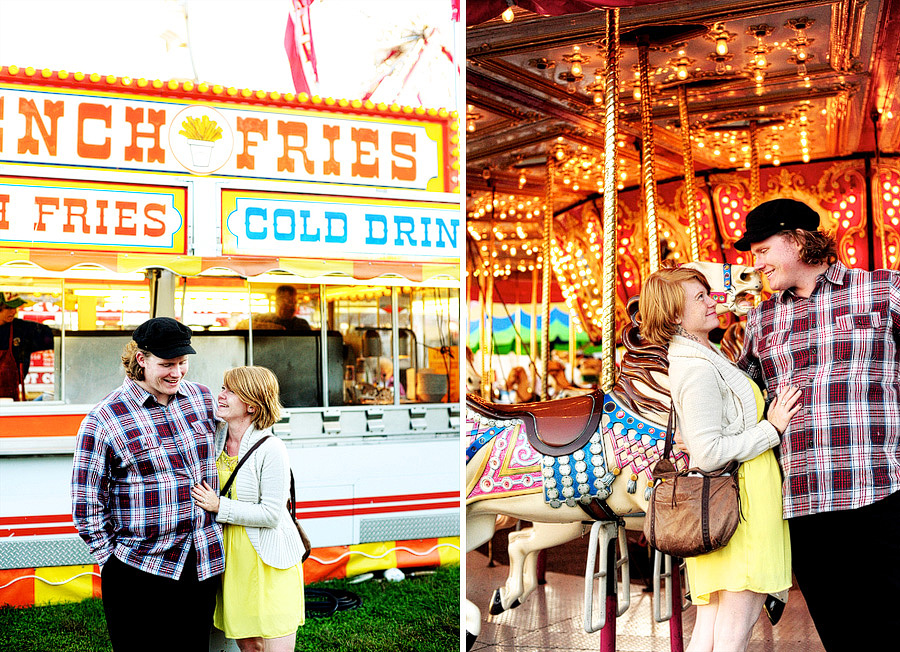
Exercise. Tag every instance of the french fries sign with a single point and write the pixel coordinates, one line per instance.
(82, 215)
(75, 127)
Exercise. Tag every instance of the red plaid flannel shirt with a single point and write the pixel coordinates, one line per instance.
(135, 464)
(840, 346)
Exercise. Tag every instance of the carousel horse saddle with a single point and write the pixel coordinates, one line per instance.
(554, 428)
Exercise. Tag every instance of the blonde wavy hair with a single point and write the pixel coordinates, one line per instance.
(258, 388)
(129, 360)
(662, 302)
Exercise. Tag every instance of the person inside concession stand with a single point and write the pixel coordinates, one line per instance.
(719, 414)
(18, 340)
(285, 315)
(261, 600)
(137, 454)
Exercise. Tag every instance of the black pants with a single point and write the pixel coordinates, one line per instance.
(846, 566)
(152, 613)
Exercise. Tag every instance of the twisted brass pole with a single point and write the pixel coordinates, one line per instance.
(545, 280)
(647, 173)
(487, 315)
(690, 196)
(755, 193)
(610, 199)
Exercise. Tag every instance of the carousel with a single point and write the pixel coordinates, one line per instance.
(602, 143)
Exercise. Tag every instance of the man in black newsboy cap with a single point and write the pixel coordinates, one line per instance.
(137, 455)
(833, 331)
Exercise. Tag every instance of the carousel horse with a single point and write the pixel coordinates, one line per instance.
(560, 385)
(473, 378)
(559, 463)
(521, 386)
(588, 370)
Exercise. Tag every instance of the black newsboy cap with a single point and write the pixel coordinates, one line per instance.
(164, 337)
(774, 216)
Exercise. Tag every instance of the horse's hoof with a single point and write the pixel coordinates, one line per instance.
(496, 604)
(515, 604)
(470, 640)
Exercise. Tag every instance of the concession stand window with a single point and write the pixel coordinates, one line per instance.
(369, 331)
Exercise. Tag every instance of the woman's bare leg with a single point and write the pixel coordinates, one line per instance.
(703, 635)
(282, 643)
(738, 612)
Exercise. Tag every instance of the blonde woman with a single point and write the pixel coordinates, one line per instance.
(261, 600)
(719, 412)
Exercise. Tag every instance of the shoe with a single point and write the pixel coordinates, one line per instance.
(774, 608)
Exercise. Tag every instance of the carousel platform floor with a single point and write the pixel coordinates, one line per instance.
(552, 618)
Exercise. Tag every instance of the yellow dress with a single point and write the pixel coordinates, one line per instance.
(758, 556)
(254, 598)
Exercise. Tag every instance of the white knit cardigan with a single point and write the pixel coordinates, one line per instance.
(261, 490)
(716, 407)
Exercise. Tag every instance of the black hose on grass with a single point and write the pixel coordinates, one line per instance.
(324, 603)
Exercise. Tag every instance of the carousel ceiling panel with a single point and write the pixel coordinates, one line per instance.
(800, 79)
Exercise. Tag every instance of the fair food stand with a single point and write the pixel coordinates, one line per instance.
(122, 199)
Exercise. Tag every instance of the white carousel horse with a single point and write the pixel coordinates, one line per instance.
(520, 384)
(550, 462)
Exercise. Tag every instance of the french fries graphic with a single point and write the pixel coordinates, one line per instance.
(201, 129)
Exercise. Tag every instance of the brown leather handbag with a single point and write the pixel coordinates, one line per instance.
(691, 512)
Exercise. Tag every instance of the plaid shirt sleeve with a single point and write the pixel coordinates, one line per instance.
(90, 489)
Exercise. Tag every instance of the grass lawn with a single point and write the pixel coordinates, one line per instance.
(419, 614)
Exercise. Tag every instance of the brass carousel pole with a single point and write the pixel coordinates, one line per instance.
(485, 342)
(545, 280)
(755, 193)
(489, 329)
(487, 312)
(532, 332)
(610, 199)
(647, 172)
(690, 195)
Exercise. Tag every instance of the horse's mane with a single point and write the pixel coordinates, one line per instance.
(640, 362)
(733, 341)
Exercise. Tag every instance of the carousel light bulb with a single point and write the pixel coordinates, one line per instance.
(636, 92)
(508, 15)
(802, 54)
(721, 44)
(576, 69)
(598, 97)
(682, 72)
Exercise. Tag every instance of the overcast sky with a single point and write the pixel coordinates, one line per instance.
(233, 42)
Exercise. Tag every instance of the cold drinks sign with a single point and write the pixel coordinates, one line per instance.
(131, 166)
(279, 224)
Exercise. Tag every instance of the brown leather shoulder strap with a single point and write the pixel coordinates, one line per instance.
(224, 489)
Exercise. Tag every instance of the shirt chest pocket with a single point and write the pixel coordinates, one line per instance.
(145, 455)
(863, 321)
